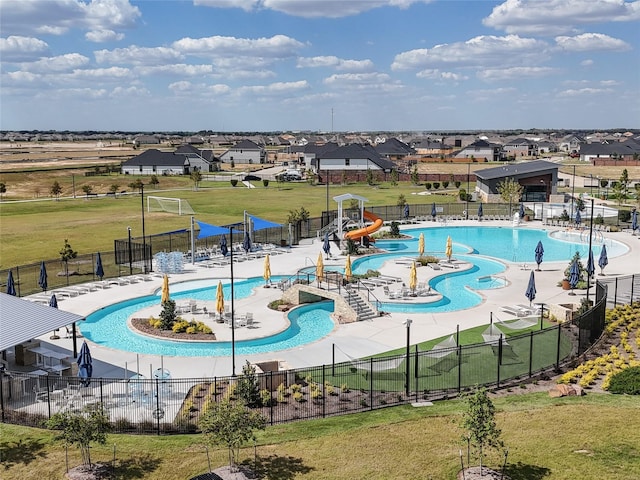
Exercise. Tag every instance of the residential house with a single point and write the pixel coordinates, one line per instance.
(352, 157)
(482, 151)
(393, 149)
(183, 161)
(520, 147)
(538, 178)
(243, 152)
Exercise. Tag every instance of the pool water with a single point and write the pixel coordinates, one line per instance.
(108, 326)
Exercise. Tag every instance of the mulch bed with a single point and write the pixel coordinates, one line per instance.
(142, 325)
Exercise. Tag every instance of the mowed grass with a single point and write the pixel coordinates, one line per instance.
(591, 438)
(35, 230)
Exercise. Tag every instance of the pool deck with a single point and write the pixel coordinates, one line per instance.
(352, 340)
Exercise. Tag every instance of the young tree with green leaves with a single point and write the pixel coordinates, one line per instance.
(81, 429)
(510, 191)
(401, 202)
(479, 422)
(56, 190)
(415, 178)
(395, 176)
(232, 425)
(87, 189)
(67, 253)
(248, 387)
(3, 189)
(137, 185)
(114, 188)
(196, 178)
(370, 180)
(168, 315)
(154, 181)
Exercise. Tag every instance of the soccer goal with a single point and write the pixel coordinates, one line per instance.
(167, 204)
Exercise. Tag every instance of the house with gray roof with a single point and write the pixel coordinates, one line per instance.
(245, 151)
(155, 162)
(352, 157)
(482, 151)
(538, 178)
(394, 149)
(520, 147)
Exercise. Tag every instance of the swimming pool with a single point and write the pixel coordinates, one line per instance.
(508, 244)
(108, 326)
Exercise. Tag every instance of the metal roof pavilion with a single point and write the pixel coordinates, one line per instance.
(21, 320)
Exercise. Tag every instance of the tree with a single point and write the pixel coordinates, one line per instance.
(196, 178)
(168, 315)
(67, 253)
(230, 425)
(401, 201)
(154, 181)
(510, 191)
(114, 188)
(137, 185)
(81, 429)
(479, 421)
(3, 189)
(415, 178)
(56, 190)
(343, 178)
(394, 177)
(248, 387)
(621, 188)
(87, 189)
(370, 181)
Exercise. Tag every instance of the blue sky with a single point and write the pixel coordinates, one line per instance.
(320, 65)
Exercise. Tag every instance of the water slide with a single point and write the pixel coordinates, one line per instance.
(366, 231)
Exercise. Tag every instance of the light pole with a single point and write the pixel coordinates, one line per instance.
(468, 192)
(233, 320)
(408, 323)
(589, 254)
(591, 185)
(130, 257)
(573, 188)
(144, 238)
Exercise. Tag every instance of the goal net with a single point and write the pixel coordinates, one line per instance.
(167, 204)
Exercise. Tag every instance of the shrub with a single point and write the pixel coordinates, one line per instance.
(436, 185)
(457, 184)
(265, 397)
(462, 194)
(298, 396)
(624, 215)
(445, 184)
(626, 382)
(234, 182)
(394, 230)
(598, 220)
(265, 182)
(428, 185)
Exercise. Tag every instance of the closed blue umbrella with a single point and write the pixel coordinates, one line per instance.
(539, 253)
(531, 288)
(433, 211)
(11, 285)
(578, 218)
(603, 261)
(326, 246)
(246, 243)
(223, 246)
(406, 211)
(53, 301)
(99, 268)
(574, 276)
(480, 212)
(634, 221)
(522, 210)
(591, 264)
(85, 366)
(42, 279)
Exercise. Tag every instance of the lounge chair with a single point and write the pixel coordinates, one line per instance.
(249, 319)
(515, 310)
(434, 266)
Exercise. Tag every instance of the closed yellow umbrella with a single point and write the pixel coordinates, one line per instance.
(220, 299)
(421, 244)
(165, 289)
(347, 269)
(267, 270)
(449, 250)
(319, 268)
(413, 277)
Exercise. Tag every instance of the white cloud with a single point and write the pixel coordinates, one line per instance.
(128, 92)
(310, 8)
(515, 73)
(277, 46)
(276, 89)
(435, 74)
(492, 94)
(554, 17)
(584, 92)
(103, 35)
(61, 63)
(175, 69)
(591, 42)
(358, 79)
(335, 62)
(587, 63)
(482, 51)
(135, 55)
(17, 48)
(59, 16)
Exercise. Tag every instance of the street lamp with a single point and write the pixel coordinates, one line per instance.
(468, 192)
(144, 238)
(591, 185)
(130, 256)
(233, 320)
(573, 188)
(589, 253)
(408, 323)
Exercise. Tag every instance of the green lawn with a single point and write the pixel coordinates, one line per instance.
(591, 438)
(33, 231)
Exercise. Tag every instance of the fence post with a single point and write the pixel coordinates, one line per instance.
(459, 367)
(48, 395)
(2, 394)
(530, 353)
(271, 390)
(632, 282)
(157, 406)
(371, 384)
(558, 348)
(499, 361)
(615, 294)
(324, 401)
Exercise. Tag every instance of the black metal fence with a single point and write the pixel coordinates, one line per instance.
(167, 405)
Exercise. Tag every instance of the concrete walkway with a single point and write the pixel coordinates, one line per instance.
(352, 340)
